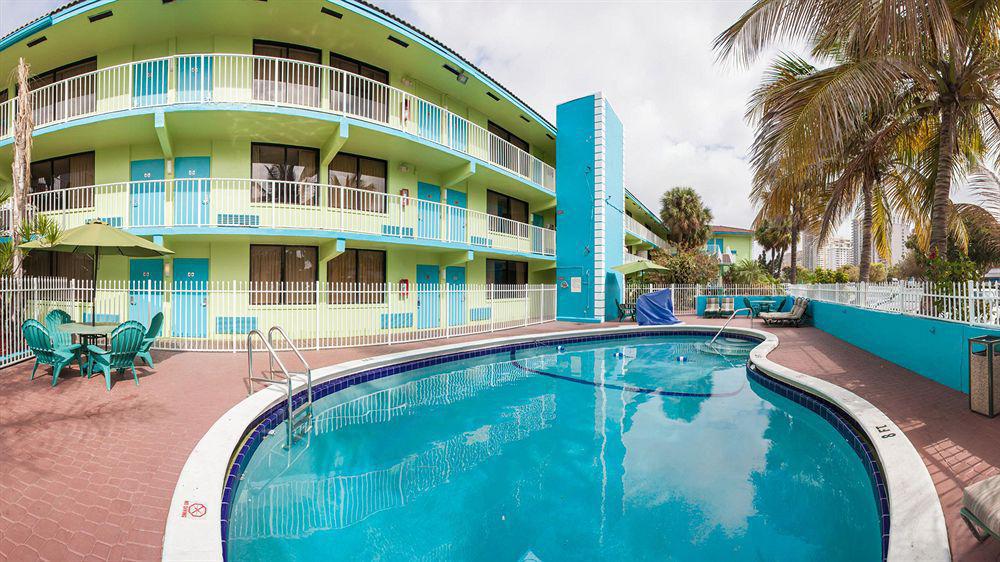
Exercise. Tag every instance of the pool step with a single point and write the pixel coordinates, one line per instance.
(727, 347)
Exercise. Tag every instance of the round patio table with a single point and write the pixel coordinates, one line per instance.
(89, 333)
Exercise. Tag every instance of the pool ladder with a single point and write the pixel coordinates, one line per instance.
(298, 418)
(731, 316)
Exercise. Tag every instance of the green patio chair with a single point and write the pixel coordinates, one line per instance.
(126, 340)
(61, 339)
(46, 353)
(154, 332)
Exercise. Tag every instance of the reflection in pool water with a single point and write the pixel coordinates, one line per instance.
(604, 450)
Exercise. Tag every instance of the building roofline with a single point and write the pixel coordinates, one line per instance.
(359, 6)
(730, 229)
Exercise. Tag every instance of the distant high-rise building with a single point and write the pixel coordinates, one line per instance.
(900, 231)
(835, 253)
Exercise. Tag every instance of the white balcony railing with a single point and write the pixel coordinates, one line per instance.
(219, 202)
(635, 227)
(631, 258)
(249, 79)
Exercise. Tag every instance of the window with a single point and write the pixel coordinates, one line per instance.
(49, 179)
(4, 116)
(352, 177)
(357, 276)
(72, 266)
(285, 274)
(507, 278)
(508, 136)
(77, 98)
(284, 174)
(356, 96)
(506, 207)
(290, 73)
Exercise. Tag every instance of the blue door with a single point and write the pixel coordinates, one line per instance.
(428, 213)
(145, 297)
(455, 276)
(536, 235)
(458, 133)
(147, 193)
(194, 78)
(430, 120)
(149, 83)
(192, 191)
(456, 216)
(190, 298)
(428, 296)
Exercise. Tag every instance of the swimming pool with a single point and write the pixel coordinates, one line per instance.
(607, 449)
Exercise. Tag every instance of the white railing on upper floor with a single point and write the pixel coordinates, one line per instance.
(631, 258)
(251, 203)
(251, 79)
(637, 228)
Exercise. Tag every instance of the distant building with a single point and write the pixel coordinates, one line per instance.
(900, 231)
(835, 253)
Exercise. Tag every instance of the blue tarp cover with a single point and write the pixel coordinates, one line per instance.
(655, 309)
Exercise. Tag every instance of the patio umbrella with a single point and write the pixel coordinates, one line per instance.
(98, 238)
(637, 267)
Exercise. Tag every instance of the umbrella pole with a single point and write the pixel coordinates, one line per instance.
(93, 301)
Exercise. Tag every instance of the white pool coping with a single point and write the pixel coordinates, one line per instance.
(917, 524)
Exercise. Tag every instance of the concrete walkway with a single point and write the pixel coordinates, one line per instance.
(87, 474)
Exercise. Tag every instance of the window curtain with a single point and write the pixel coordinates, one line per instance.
(265, 274)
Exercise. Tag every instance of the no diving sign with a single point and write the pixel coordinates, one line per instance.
(193, 509)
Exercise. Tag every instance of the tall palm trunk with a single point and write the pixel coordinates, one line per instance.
(21, 167)
(794, 255)
(942, 183)
(864, 268)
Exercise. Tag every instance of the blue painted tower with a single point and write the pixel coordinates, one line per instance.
(590, 202)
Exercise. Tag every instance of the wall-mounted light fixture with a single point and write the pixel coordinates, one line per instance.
(462, 77)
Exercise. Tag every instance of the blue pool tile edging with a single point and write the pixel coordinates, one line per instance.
(849, 430)
(274, 416)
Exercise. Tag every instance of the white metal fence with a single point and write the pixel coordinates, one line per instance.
(685, 296)
(217, 316)
(252, 203)
(971, 302)
(241, 79)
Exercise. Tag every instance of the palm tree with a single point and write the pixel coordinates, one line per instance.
(686, 217)
(21, 167)
(944, 55)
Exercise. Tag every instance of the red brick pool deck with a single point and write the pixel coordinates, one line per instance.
(87, 474)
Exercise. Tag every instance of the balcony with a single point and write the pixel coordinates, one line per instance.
(640, 231)
(631, 258)
(285, 205)
(250, 79)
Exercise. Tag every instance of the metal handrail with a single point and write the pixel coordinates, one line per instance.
(731, 316)
(308, 373)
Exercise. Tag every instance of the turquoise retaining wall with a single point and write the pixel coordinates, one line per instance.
(739, 303)
(936, 349)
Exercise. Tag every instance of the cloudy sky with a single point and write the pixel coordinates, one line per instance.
(683, 113)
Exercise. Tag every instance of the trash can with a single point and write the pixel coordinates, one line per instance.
(984, 365)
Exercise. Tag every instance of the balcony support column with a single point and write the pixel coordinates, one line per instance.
(457, 258)
(453, 177)
(333, 144)
(163, 134)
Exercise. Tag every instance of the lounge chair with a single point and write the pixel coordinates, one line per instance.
(60, 339)
(711, 307)
(793, 317)
(126, 340)
(728, 306)
(981, 508)
(154, 332)
(625, 311)
(46, 353)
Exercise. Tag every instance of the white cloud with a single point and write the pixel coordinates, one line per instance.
(682, 112)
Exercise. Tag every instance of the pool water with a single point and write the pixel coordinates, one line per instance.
(606, 450)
